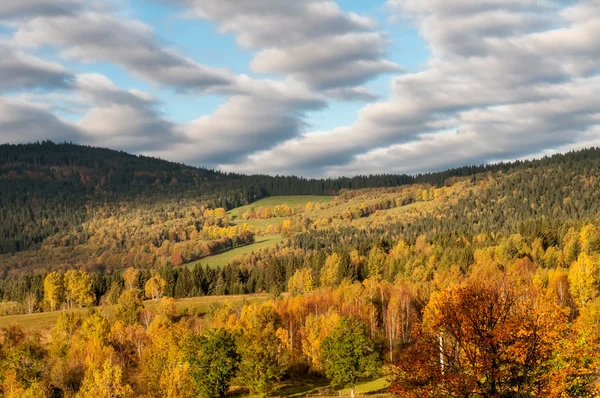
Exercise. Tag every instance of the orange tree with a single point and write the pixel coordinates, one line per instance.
(481, 341)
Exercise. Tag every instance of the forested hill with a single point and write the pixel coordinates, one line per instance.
(47, 188)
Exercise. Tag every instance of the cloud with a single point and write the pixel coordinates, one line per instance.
(110, 117)
(93, 36)
(262, 115)
(506, 79)
(21, 71)
(257, 114)
(16, 9)
(128, 120)
(313, 41)
(22, 122)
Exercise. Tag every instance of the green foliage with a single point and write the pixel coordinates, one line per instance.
(349, 354)
(213, 360)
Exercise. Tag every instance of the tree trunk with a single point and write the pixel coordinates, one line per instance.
(352, 392)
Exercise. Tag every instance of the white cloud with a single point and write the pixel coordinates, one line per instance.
(313, 40)
(21, 71)
(22, 122)
(506, 79)
(92, 36)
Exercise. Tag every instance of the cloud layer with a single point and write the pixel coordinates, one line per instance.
(506, 79)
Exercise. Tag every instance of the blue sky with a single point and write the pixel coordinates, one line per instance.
(315, 88)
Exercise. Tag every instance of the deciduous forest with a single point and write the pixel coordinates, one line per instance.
(480, 281)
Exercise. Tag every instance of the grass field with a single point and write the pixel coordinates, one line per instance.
(221, 259)
(319, 386)
(44, 321)
(272, 201)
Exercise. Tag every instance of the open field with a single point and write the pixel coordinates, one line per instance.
(44, 321)
(259, 224)
(221, 259)
(272, 201)
(321, 387)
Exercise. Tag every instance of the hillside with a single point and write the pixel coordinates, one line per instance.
(502, 260)
(47, 188)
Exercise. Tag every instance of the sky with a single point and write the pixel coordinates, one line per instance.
(318, 88)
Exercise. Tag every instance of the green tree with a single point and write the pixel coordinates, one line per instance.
(213, 360)
(349, 354)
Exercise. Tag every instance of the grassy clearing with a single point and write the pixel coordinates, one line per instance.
(272, 201)
(320, 386)
(44, 321)
(262, 224)
(221, 259)
(373, 386)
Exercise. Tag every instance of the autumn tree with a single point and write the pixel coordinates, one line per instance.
(53, 290)
(330, 271)
(78, 289)
(316, 329)
(480, 340)
(400, 316)
(155, 287)
(301, 282)
(583, 278)
(349, 354)
(130, 277)
(105, 382)
(129, 306)
(263, 359)
(213, 360)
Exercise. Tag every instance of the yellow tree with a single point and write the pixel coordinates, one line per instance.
(104, 382)
(400, 316)
(589, 239)
(130, 276)
(78, 289)
(582, 279)
(155, 287)
(53, 290)
(301, 282)
(331, 270)
(316, 329)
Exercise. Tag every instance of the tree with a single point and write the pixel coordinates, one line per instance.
(263, 359)
(213, 360)
(129, 306)
(316, 329)
(130, 277)
(331, 270)
(376, 264)
(301, 282)
(53, 290)
(78, 288)
(349, 354)
(481, 340)
(155, 287)
(30, 303)
(583, 280)
(104, 382)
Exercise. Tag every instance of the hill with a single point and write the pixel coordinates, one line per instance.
(48, 188)
(500, 260)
